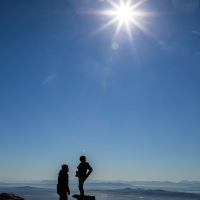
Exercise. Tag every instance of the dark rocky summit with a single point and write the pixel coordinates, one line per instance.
(85, 197)
(6, 196)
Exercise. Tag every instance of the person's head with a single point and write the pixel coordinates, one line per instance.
(65, 167)
(82, 158)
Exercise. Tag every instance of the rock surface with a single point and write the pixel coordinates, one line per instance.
(5, 196)
(85, 197)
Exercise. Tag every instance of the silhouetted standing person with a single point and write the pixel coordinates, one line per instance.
(63, 183)
(84, 170)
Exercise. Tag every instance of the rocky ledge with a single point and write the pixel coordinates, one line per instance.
(5, 196)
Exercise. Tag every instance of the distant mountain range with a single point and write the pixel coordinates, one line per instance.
(108, 184)
(105, 183)
(166, 183)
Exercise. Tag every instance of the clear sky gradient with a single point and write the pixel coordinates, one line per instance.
(70, 84)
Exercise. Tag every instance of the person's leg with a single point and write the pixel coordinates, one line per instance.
(80, 186)
(63, 196)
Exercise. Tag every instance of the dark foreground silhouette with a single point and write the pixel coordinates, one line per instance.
(79, 197)
(11, 196)
(63, 183)
(84, 170)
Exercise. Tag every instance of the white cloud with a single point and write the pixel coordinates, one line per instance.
(196, 32)
(48, 79)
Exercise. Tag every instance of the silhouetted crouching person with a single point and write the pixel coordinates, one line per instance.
(84, 170)
(63, 183)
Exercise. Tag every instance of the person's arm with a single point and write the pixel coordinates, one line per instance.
(89, 170)
(68, 191)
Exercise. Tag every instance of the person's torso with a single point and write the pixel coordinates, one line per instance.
(63, 178)
(82, 168)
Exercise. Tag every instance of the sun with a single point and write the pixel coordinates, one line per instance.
(124, 14)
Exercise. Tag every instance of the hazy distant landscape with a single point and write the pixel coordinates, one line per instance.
(108, 190)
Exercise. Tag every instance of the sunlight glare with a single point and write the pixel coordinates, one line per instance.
(124, 13)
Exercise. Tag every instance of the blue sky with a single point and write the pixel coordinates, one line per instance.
(69, 85)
